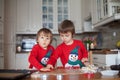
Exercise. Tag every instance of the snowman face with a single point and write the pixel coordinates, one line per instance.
(44, 60)
(73, 57)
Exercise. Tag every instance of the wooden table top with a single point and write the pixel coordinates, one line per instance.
(69, 74)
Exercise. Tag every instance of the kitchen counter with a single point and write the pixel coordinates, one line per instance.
(102, 51)
(69, 74)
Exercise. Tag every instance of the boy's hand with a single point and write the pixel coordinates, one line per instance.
(45, 69)
(86, 63)
(49, 66)
(84, 59)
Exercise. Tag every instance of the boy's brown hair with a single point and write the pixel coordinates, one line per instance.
(45, 31)
(66, 26)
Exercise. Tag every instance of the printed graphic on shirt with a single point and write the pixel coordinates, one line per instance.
(45, 59)
(73, 59)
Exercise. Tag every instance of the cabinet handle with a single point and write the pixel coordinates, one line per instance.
(95, 58)
(96, 64)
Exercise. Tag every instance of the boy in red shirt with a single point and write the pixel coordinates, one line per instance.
(42, 51)
(71, 52)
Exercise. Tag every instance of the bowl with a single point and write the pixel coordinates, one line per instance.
(109, 72)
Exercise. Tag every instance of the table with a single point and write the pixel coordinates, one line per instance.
(69, 74)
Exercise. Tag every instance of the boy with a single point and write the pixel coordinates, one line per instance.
(42, 51)
(71, 52)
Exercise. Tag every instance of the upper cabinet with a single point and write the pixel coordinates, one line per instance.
(75, 14)
(86, 9)
(28, 16)
(87, 16)
(105, 11)
(1, 10)
(53, 13)
(35, 14)
(1, 34)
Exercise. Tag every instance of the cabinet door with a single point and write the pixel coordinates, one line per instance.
(22, 61)
(53, 13)
(104, 59)
(94, 12)
(35, 16)
(1, 62)
(22, 16)
(99, 58)
(86, 9)
(1, 39)
(9, 56)
(1, 10)
(111, 59)
(75, 14)
(1, 46)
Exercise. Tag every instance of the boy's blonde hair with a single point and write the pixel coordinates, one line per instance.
(46, 32)
(66, 26)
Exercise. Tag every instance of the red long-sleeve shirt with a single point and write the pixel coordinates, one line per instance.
(37, 54)
(63, 51)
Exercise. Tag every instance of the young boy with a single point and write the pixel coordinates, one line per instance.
(71, 52)
(42, 51)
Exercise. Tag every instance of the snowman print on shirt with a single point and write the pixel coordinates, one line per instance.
(45, 59)
(73, 59)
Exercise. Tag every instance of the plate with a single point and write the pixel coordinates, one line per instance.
(109, 72)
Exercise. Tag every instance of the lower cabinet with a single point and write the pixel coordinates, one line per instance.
(22, 61)
(104, 59)
(1, 62)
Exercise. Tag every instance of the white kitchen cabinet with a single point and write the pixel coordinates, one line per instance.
(95, 11)
(1, 10)
(75, 14)
(1, 39)
(1, 62)
(104, 59)
(22, 16)
(103, 9)
(9, 33)
(1, 34)
(35, 14)
(9, 56)
(86, 9)
(54, 12)
(87, 15)
(21, 61)
(28, 16)
(1, 46)
(109, 8)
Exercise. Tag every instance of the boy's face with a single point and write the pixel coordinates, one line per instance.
(44, 40)
(66, 38)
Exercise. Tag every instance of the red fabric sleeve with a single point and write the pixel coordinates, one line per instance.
(55, 56)
(32, 59)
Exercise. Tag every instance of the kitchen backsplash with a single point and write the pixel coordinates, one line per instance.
(109, 36)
